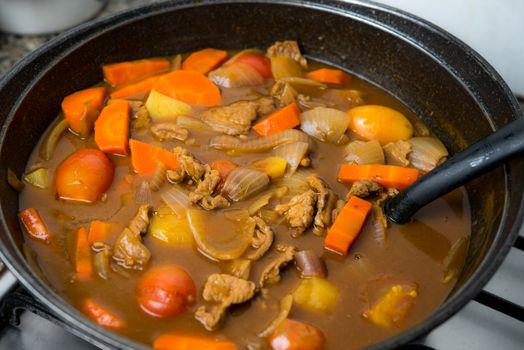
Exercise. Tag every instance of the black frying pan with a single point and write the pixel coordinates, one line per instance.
(460, 97)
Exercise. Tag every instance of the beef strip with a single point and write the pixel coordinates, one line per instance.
(236, 118)
(222, 290)
(271, 274)
(397, 153)
(169, 131)
(262, 240)
(287, 48)
(299, 211)
(364, 188)
(129, 250)
(283, 92)
(203, 193)
(326, 202)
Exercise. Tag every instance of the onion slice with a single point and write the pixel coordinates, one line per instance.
(259, 144)
(427, 152)
(293, 153)
(143, 193)
(177, 200)
(244, 182)
(236, 75)
(51, 138)
(361, 152)
(310, 264)
(325, 124)
(285, 307)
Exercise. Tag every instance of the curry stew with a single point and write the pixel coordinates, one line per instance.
(232, 200)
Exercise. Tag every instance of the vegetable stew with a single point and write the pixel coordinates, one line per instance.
(232, 200)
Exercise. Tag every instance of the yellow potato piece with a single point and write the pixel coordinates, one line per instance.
(171, 229)
(274, 167)
(316, 294)
(373, 122)
(393, 307)
(162, 108)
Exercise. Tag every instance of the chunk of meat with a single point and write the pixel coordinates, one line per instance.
(140, 118)
(203, 193)
(236, 118)
(299, 211)
(271, 274)
(397, 152)
(240, 268)
(216, 202)
(283, 92)
(189, 165)
(338, 207)
(326, 202)
(169, 131)
(262, 240)
(364, 188)
(287, 48)
(140, 221)
(222, 290)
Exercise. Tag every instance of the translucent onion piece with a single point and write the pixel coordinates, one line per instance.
(14, 181)
(427, 152)
(296, 183)
(101, 263)
(191, 123)
(270, 216)
(236, 75)
(260, 202)
(236, 214)
(218, 239)
(244, 182)
(361, 152)
(284, 67)
(325, 124)
(306, 86)
(453, 260)
(37, 178)
(177, 62)
(176, 199)
(285, 307)
(143, 193)
(259, 144)
(48, 146)
(293, 153)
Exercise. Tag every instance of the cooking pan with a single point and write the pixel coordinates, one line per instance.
(456, 93)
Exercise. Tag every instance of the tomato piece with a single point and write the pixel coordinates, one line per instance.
(261, 64)
(295, 335)
(84, 176)
(165, 291)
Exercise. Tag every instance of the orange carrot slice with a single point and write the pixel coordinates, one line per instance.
(224, 167)
(329, 76)
(130, 71)
(347, 225)
(33, 224)
(189, 87)
(144, 157)
(83, 260)
(102, 316)
(112, 128)
(81, 109)
(205, 60)
(99, 231)
(283, 119)
(191, 342)
(138, 89)
(389, 176)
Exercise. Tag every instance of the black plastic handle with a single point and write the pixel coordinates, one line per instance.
(496, 149)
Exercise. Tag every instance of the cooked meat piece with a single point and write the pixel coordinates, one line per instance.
(139, 115)
(338, 207)
(262, 240)
(299, 211)
(283, 92)
(420, 129)
(285, 307)
(240, 268)
(234, 119)
(189, 165)
(169, 131)
(175, 176)
(129, 250)
(364, 188)
(140, 222)
(159, 177)
(203, 193)
(265, 106)
(271, 273)
(397, 152)
(287, 48)
(326, 202)
(222, 290)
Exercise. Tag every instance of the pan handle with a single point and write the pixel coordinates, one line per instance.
(496, 149)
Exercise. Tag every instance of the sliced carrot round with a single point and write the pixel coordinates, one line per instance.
(205, 60)
(190, 87)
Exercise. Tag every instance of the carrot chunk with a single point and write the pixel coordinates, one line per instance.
(33, 224)
(347, 225)
(283, 119)
(389, 176)
(136, 89)
(329, 76)
(102, 316)
(205, 60)
(81, 109)
(98, 231)
(112, 128)
(190, 87)
(145, 156)
(130, 71)
(224, 167)
(83, 260)
(189, 342)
